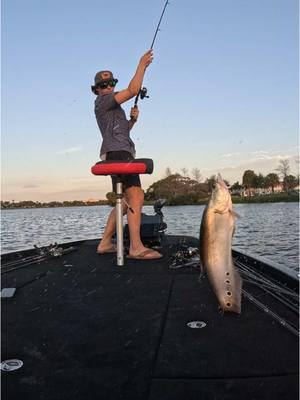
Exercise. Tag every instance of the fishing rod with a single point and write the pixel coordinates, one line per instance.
(143, 91)
(271, 313)
(282, 294)
(158, 25)
(43, 254)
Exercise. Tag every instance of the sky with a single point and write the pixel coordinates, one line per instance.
(223, 89)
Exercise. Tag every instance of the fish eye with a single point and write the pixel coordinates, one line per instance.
(229, 294)
(228, 305)
(227, 281)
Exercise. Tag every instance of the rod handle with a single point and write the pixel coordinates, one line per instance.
(135, 106)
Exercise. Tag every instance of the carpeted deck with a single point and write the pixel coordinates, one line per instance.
(87, 329)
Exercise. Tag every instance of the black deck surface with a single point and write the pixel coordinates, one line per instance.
(87, 329)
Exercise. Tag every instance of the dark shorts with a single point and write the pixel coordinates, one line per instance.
(127, 180)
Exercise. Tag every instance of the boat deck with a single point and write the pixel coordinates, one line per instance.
(87, 329)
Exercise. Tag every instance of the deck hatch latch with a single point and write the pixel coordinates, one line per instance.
(11, 365)
(196, 324)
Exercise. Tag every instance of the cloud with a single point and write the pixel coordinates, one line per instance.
(70, 150)
(259, 155)
(30, 186)
(271, 156)
(229, 155)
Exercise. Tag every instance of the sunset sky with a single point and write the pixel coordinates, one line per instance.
(223, 89)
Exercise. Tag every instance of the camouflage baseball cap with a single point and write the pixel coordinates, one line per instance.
(103, 76)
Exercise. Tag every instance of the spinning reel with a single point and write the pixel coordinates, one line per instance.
(141, 94)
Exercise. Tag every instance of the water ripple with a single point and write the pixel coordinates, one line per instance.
(268, 230)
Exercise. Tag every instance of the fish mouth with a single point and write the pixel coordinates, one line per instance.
(219, 180)
(218, 183)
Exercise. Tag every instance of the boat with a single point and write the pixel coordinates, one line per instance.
(77, 326)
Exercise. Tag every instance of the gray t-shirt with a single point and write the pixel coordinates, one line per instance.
(113, 125)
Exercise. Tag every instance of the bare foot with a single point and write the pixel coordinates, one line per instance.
(106, 248)
(144, 254)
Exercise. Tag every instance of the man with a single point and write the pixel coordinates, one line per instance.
(117, 145)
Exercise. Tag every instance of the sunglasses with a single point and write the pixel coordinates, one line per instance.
(105, 84)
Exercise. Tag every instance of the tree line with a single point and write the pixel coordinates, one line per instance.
(250, 179)
(37, 204)
(181, 189)
(283, 177)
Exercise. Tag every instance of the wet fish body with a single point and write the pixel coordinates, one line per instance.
(216, 232)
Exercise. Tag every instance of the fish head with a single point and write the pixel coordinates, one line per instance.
(220, 200)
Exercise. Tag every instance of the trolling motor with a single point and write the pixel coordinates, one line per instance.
(158, 205)
(141, 94)
(153, 227)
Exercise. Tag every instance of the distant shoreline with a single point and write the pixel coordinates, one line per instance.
(273, 198)
(280, 198)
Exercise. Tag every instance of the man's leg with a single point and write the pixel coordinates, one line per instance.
(105, 243)
(135, 198)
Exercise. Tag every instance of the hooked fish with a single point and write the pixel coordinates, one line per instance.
(216, 232)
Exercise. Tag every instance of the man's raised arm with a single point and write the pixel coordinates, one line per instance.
(137, 81)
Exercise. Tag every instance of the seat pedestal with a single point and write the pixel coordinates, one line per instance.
(119, 224)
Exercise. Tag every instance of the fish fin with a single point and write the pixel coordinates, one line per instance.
(221, 310)
(235, 214)
(201, 276)
(202, 272)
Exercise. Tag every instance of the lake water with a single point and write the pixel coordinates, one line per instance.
(267, 230)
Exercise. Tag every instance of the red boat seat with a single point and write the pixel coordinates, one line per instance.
(115, 167)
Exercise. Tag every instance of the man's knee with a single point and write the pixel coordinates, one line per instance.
(135, 193)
